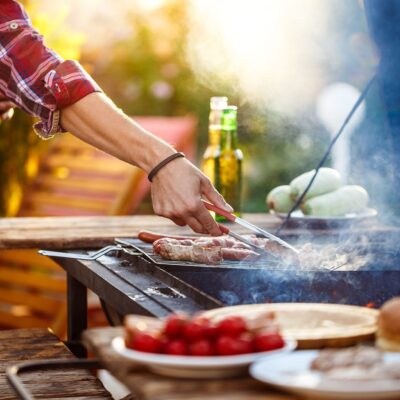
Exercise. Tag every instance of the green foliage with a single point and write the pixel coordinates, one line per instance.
(15, 140)
(147, 73)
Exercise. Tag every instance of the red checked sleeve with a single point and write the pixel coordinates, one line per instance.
(33, 76)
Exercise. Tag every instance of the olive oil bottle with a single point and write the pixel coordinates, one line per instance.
(217, 104)
(228, 162)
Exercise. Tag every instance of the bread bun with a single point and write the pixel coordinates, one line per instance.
(388, 335)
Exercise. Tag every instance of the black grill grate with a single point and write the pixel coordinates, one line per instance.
(370, 275)
(345, 257)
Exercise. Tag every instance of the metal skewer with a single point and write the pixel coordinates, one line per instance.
(79, 256)
(248, 225)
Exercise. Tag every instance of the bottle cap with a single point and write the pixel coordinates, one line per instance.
(218, 102)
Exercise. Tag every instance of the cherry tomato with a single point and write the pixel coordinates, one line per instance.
(142, 341)
(196, 329)
(232, 326)
(268, 341)
(174, 325)
(245, 344)
(176, 347)
(201, 347)
(211, 331)
(228, 345)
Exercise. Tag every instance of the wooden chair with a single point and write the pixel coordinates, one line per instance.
(73, 179)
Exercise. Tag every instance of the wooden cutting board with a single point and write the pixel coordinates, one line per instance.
(313, 325)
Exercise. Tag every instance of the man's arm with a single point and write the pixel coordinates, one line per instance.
(176, 189)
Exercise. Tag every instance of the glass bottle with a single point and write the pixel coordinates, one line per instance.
(214, 133)
(228, 165)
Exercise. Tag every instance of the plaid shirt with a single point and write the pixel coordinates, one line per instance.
(33, 76)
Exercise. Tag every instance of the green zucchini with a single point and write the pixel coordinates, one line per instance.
(327, 180)
(345, 200)
(279, 199)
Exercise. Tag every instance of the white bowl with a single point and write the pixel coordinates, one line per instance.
(195, 366)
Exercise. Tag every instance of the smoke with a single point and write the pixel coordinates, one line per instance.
(274, 53)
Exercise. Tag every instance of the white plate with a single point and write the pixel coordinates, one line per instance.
(292, 372)
(299, 218)
(196, 367)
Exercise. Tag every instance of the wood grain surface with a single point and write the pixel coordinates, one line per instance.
(38, 344)
(87, 232)
(95, 232)
(148, 386)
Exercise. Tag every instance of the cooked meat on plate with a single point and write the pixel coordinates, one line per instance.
(359, 363)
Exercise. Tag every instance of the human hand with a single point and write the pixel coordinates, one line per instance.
(176, 194)
(6, 109)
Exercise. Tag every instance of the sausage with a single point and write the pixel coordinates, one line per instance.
(151, 237)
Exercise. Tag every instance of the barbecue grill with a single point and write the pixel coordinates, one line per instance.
(361, 274)
(131, 279)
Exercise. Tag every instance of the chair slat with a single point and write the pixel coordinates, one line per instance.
(102, 185)
(89, 164)
(69, 202)
(35, 302)
(28, 258)
(8, 320)
(11, 276)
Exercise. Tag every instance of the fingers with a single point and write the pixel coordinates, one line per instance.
(178, 221)
(179, 199)
(200, 221)
(209, 191)
(207, 221)
(195, 225)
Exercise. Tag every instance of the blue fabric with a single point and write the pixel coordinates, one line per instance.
(383, 18)
(384, 23)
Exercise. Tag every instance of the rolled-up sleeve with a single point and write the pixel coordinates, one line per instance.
(33, 76)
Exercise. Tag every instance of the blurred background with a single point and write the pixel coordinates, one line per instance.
(285, 64)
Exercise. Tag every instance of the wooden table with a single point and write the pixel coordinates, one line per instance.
(90, 232)
(148, 386)
(38, 344)
(95, 232)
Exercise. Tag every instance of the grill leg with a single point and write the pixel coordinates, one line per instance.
(77, 315)
(113, 317)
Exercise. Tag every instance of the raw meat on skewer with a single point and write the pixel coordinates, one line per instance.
(222, 241)
(238, 254)
(203, 250)
(172, 249)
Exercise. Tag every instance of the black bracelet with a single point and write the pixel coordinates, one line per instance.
(163, 163)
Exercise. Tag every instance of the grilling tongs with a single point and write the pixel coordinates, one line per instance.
(248, 225)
